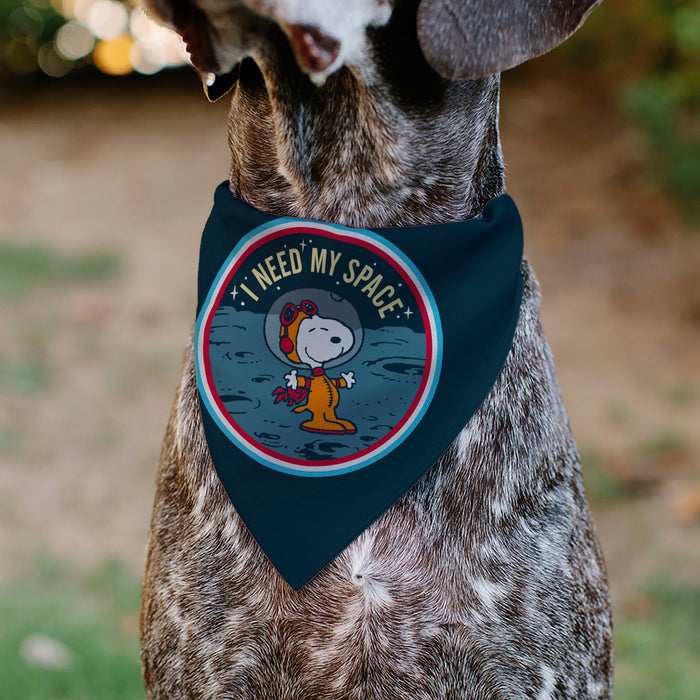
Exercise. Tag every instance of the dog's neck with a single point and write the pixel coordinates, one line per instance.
(388, 144)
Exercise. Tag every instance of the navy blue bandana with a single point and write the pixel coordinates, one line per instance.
(336, 365)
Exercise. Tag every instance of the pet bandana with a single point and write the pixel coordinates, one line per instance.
(336, 365)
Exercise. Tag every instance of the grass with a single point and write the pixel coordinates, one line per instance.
(657, 637)
(606, 485)
(25, 267)
(681, 394)
(94, 617)
(29, 267)
(664, 445)
(8, 441)
(601, 486)
(618, 413)
(25, 376)
(658, 651)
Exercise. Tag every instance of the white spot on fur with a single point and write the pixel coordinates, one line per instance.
(488, 592)
(596, 689)
(548, 680)
(200, 503)
(358, 553)
(500, 506)
(464, 441)
(377, 595)
(493, 547)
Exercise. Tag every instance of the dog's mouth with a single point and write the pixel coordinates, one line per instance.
(315, 52)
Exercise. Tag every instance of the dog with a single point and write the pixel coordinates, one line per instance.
(486, 579)
(306, 337)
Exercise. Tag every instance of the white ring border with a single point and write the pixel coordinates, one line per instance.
(412, 272)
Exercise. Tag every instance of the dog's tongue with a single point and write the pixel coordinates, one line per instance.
(314, 50)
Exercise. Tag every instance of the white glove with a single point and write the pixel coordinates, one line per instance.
(349, 378)
(291, 379)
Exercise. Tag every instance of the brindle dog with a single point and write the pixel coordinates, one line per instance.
(486, 579)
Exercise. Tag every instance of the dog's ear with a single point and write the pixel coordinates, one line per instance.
(190, 22)
(463, 39)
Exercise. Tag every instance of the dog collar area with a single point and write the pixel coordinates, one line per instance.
(335, 365)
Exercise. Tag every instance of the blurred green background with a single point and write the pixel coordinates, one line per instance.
(647, 51)
(109, 157)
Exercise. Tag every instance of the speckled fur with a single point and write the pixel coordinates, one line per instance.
(485, 580)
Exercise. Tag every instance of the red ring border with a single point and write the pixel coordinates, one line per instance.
(293, 462)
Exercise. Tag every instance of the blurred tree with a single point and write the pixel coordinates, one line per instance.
(666, 101)
(648, 52)
(27, 29)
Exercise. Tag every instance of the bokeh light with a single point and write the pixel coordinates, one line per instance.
(112, 56)
(107, 19)
(73, 41)
(20, 55)
(59, 36)
(26, 20)
(51, 63)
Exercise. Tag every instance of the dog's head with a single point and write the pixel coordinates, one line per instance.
(460, 39)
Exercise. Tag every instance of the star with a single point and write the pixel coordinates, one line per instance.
(408, 313)
(234, 292)
(302, 245)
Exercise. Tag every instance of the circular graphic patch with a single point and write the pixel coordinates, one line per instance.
(318, 348)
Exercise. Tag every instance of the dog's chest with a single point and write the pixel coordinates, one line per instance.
(485, 580)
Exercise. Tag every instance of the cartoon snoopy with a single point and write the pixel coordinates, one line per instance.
(310, 339)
